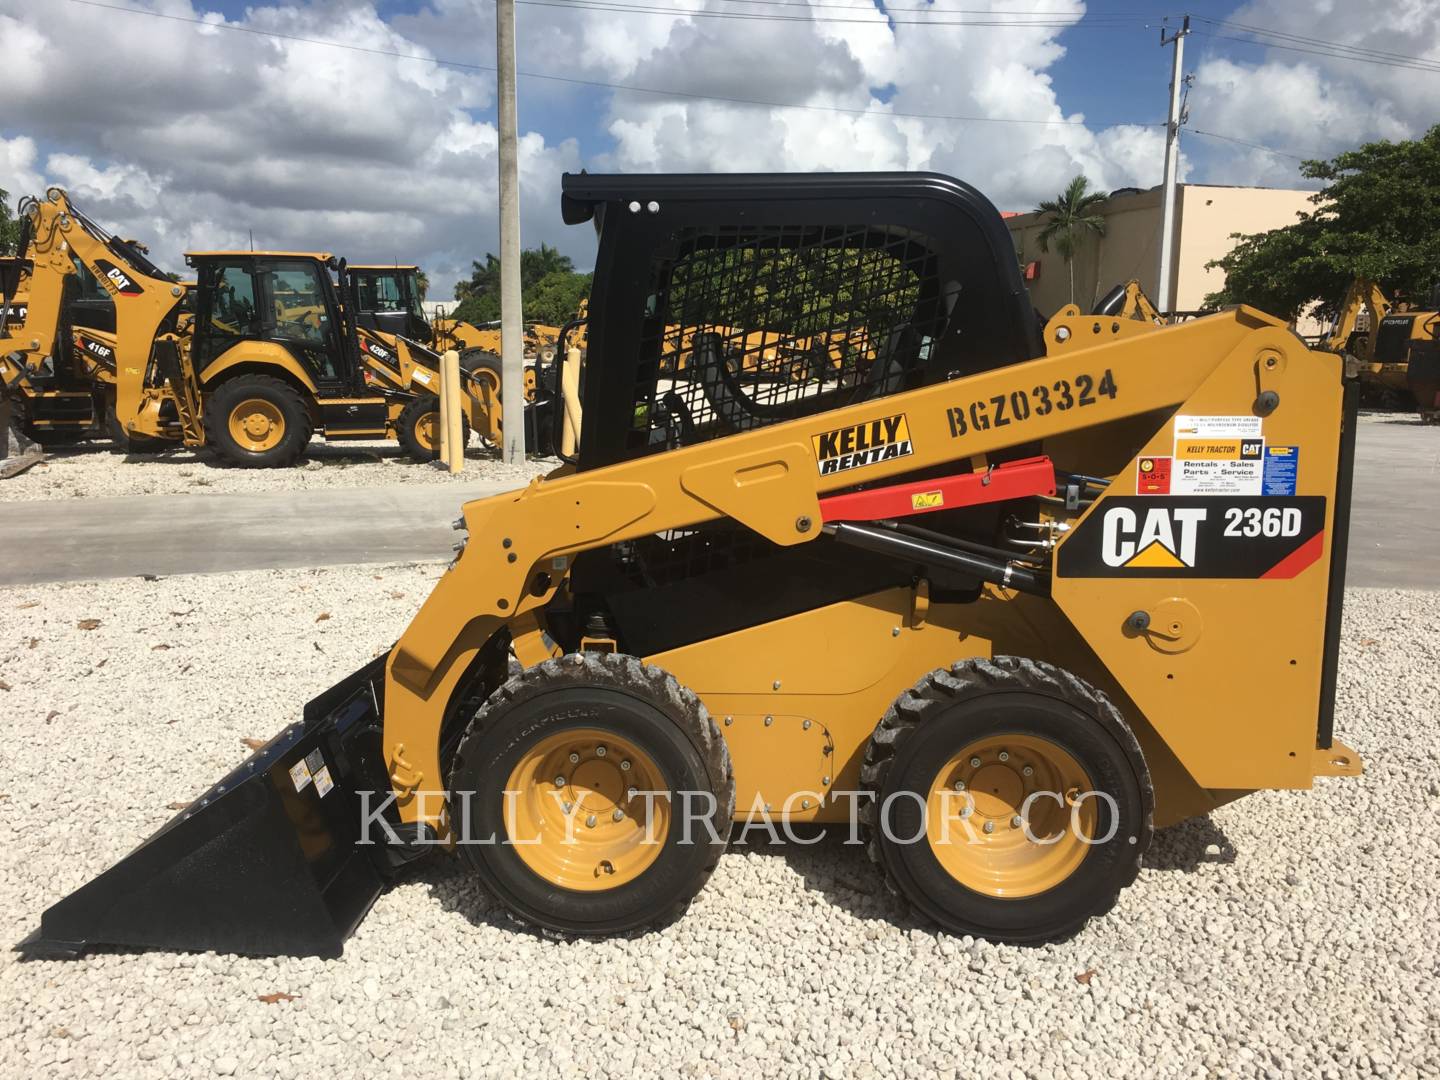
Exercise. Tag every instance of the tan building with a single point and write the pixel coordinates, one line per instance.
(1206, 216)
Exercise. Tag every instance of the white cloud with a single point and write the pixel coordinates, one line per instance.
(187, 137)
(1309, 103)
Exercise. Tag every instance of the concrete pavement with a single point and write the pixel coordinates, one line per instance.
(85, 539)
(1393, 527)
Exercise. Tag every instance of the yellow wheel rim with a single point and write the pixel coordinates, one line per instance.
(427, 430)
(995, 824)
(257, 424)
(575, 811)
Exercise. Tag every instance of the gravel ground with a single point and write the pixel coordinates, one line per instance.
(1289, 934)
(93, 469)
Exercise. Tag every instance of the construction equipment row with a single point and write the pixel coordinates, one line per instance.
(261, 351)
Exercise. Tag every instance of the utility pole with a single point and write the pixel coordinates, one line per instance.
(512, 345)
(1172, 161)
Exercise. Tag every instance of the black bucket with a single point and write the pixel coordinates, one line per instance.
(268, 862)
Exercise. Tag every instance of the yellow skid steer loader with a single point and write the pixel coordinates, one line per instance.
(1004, 601)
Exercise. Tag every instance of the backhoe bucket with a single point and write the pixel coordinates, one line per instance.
(264, 863)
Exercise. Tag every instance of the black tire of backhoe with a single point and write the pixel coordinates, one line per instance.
(299, 428)
(474, 359)
(651, 686)
(981, 677)
(409, 419)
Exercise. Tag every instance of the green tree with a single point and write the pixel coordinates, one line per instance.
(9, 226)
(480, 296)
(1072, 218)
(422, 282)
(1377, 215)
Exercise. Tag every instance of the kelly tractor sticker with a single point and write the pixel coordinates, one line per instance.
(1196, 537)
(863, 444)
(1218, 455)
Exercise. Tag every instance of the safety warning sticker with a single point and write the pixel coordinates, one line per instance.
(323, 783)
(300, 775)
(1153, 476)
(1217, 455)
(1282, 465)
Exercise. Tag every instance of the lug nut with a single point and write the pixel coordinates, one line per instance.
(590, 822)
(959, 785)
(599, 751)
(974, 762)
(618, 815)
(574, 759)
(624, 766)
(989, 826)
(559, 781)
(1016, 822)
(1004, 755)
(1027, 771)
(632, 792)
(964, 812)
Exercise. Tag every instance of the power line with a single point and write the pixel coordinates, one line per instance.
(442, 62)
(881, 18)
(1243, 142)
(1359, 50)
(1333, 54)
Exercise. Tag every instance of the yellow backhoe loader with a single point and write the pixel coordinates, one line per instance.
(268, 358)
(1002, 601)
(388, 303)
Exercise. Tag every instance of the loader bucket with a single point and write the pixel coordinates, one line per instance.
(264, 863)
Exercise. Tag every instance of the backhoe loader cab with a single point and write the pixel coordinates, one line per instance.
(846, 537)
(388, 300)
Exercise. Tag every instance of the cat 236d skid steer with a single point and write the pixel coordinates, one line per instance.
(1013, 598)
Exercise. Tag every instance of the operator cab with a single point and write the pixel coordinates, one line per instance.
(388, 300)
(287, 298)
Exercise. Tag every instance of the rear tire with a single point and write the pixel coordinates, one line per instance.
(1008, 715)
(257, 422)
(602, 878)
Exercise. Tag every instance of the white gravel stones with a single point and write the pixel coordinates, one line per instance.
(1292, 933)
(92, 469)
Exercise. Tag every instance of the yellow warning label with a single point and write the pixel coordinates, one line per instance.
(927, 500)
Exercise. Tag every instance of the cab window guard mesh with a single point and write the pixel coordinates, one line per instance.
(748, 326)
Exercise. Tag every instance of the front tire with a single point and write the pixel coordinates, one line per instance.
(418, 429)
(257, 422)
(985, 814)
(577, 847)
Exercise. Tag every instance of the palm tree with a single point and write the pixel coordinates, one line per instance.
(1071, 217)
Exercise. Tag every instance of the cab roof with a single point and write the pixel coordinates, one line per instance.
(322, 256)
(382, 266)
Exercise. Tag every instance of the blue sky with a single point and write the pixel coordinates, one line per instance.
(192, 136)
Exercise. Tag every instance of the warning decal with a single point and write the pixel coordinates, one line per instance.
(323, 783)
(300, 775)
(1218, 455)
(1152, 477)
(862, 444)
(927, 500)
(1197, 537)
